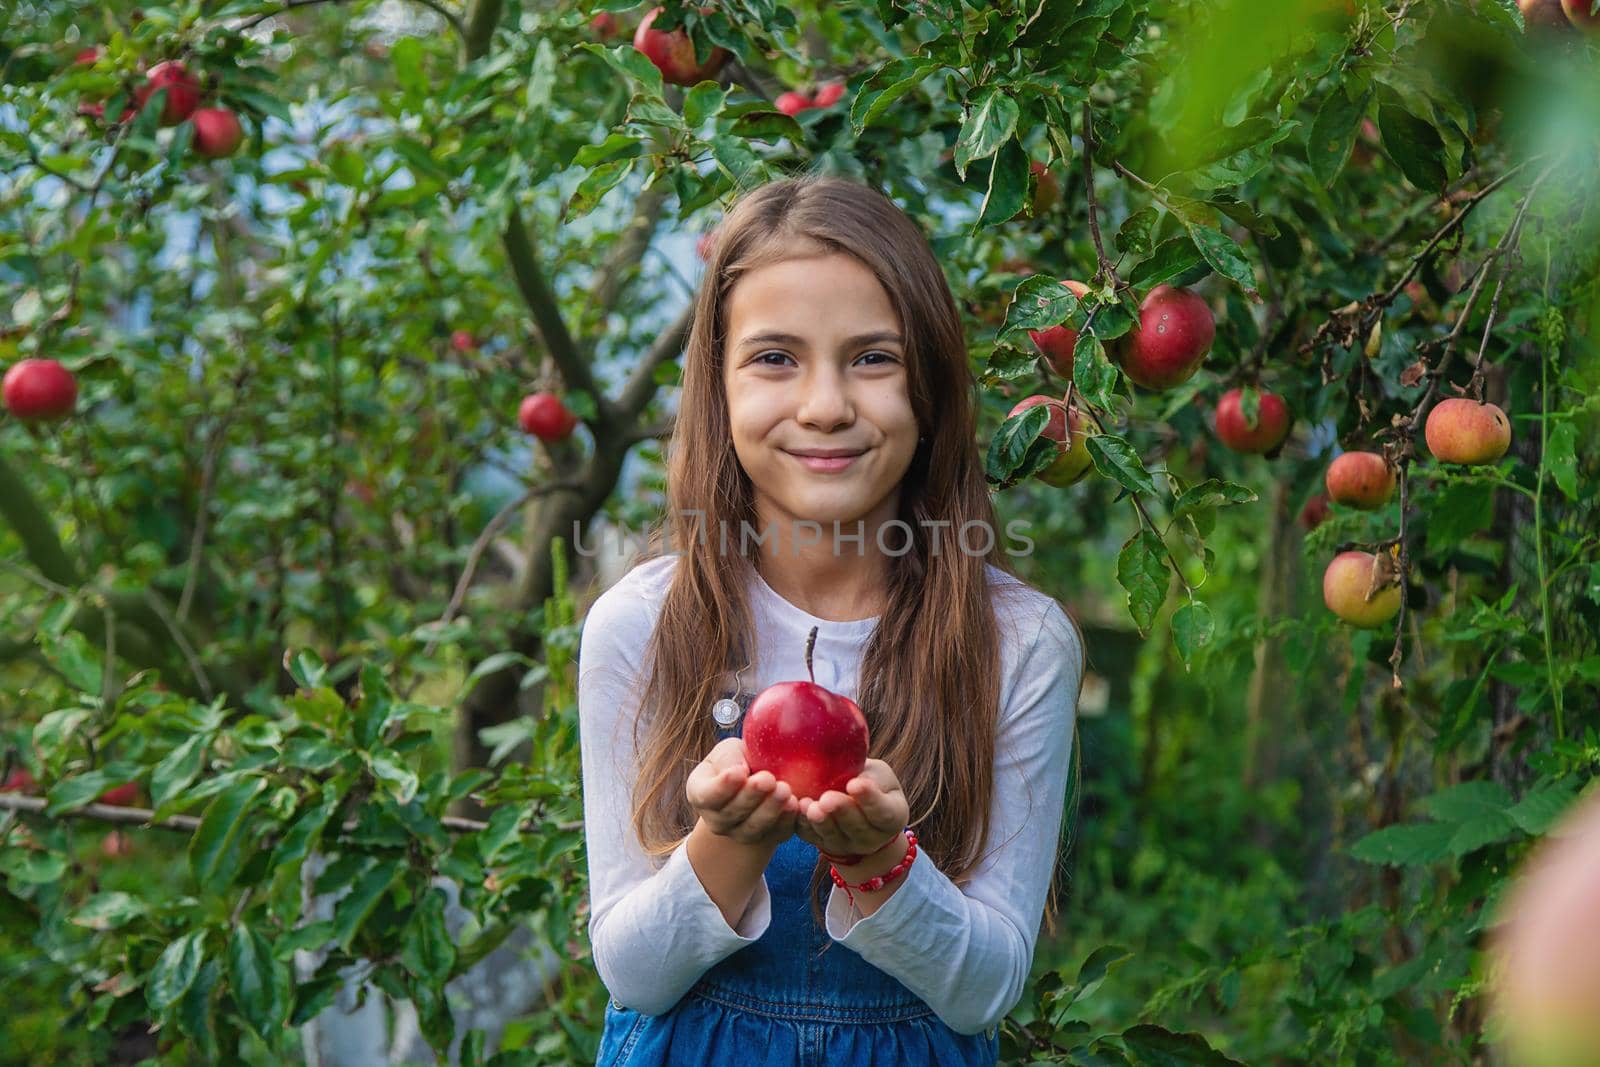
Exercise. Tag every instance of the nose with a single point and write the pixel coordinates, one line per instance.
(825, 403)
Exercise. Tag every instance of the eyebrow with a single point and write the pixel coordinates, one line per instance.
(780, 338)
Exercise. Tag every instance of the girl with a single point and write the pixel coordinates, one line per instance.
(824, 460)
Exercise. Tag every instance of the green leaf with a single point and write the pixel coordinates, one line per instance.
(1259, 137)
(1101, 962)
(1411, 845)
(1415, 146)
(887, 84)
(1333, 134)
(1142, 571)
(1159, 1047)
(1008, 187)
(1192, 629)
(27, 866)
(617, 146)
(1560, 457)
(1211, 493)
(1476, 833)
(1456, 512)
(1469, 800)
(991, 121)
(1542, 808)
(258, 981)
(426, 949)
(215, 851)
(1092, 372)
(1172, 257)
(631, 64)
(1133, 236)
(388, 769)
(1225, 256)
(702, 102)
(107, 911)
(177, 770)
(1009, 445)
(175, 971)
(354, 908)
(1115, 459)
(1038, 302)
(406, 55)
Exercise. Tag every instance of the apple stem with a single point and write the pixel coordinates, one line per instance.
(811, 643)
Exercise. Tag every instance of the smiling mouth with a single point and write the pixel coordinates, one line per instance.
(826, 464)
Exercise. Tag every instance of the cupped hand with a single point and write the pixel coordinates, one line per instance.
(870, 813)
(753, 809)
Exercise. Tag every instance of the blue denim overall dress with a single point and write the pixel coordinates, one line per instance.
(778, 1003)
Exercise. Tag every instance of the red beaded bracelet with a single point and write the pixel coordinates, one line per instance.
(879, 881)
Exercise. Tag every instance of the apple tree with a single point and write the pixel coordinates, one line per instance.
(335, 328)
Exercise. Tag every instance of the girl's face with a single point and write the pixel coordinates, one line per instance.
(816, 361)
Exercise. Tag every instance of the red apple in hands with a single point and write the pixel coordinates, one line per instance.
(814, 739)
(182, 91)
(546, 417)
(217, 132)
(39, 389)
(1170, 340)
(1356, 588)
(673, 52)
(1461, 430)
(1360, 480)
(1271, 425)
(1057, 342)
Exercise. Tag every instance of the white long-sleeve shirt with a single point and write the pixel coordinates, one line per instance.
(966, 951)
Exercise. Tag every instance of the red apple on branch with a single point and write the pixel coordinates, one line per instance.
(792, 103)
(20, 780)
(1069, 429)
(828, 94)
(182, 91)
(1170, 340)
(1046, 188)
(814, 739)
(1581, 14)
(1359, 587)
(463, 341)
(673, 52)
(1315, 511)
(1270, 428)
(1461, 430)
(217, 132)
(39, 389)
(121, 796)
(116, 844)
(604, 25)
(1360, 480)
(546, 417)
(1058, 342)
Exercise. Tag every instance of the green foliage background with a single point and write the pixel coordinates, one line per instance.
(249, 573)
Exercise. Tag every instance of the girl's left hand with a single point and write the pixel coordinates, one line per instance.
(867, 816)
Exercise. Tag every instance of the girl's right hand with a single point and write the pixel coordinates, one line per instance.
(753, 809)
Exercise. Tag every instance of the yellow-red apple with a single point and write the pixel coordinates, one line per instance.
(1360, 480)
(1461, 430)
(1348, 590)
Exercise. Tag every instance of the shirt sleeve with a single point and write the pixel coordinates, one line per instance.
(653, 932)
(967, 951)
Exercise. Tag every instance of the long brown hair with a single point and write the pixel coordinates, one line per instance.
(930, 675)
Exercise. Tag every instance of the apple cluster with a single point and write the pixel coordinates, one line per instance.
(1357, 586)
(217, 132)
